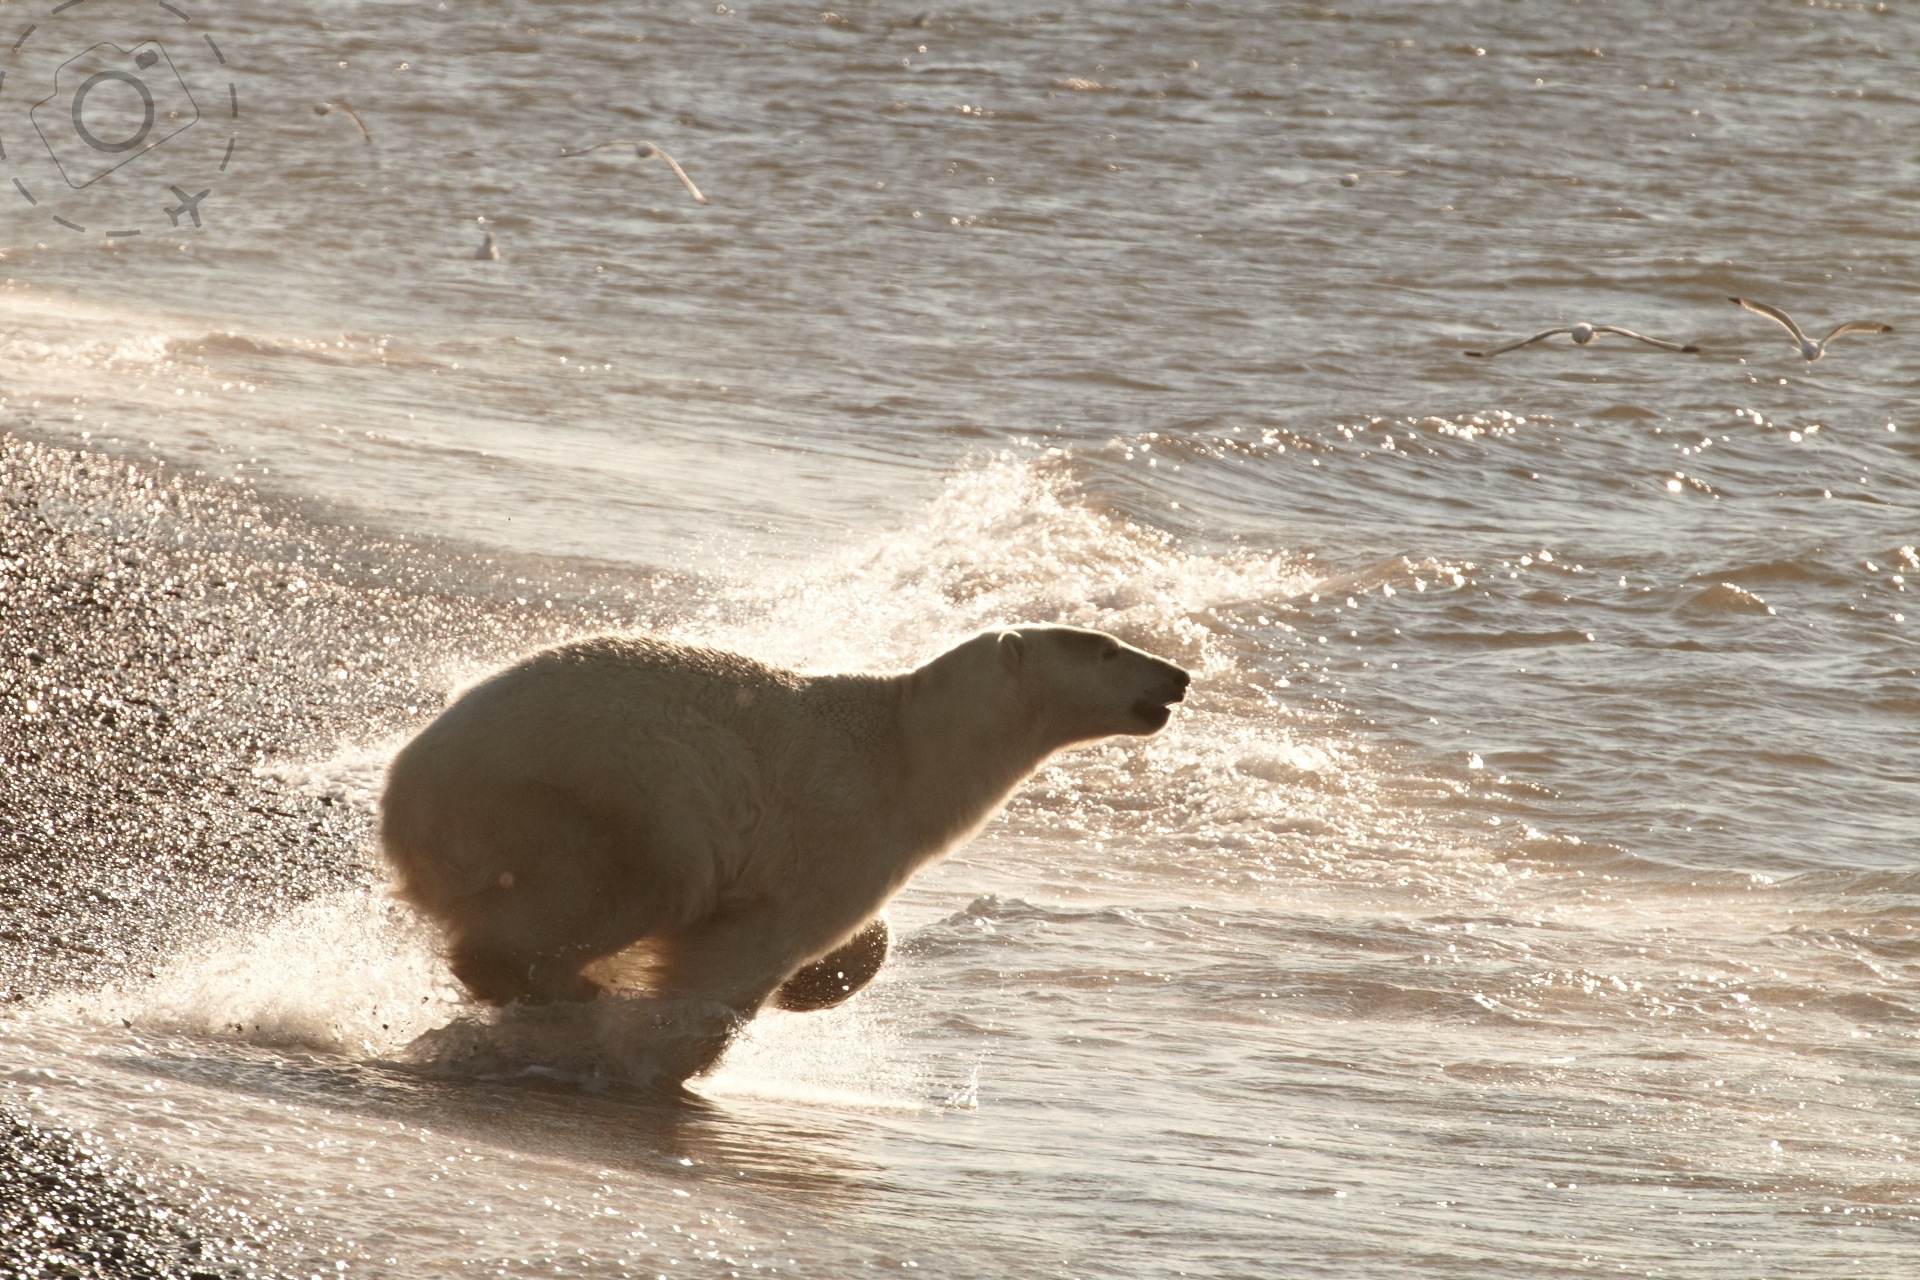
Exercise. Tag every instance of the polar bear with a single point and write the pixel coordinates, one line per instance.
(626, 812)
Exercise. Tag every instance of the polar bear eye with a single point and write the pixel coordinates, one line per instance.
(1109, 653)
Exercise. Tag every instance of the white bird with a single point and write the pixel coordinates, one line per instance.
(323, 108)
(488, 250)
(646, 151)
(1585, 333)
(1808, 347)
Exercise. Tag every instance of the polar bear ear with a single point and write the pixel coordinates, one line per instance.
(1013, 650)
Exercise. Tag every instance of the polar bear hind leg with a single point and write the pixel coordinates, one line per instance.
(495, 950)
(553, 902)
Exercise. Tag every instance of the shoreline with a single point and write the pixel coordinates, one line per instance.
(171, 650)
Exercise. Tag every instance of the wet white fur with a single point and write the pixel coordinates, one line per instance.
(727, 820)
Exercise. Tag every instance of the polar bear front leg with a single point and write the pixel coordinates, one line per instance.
(731, 963)
(736, 957)
(835, 977)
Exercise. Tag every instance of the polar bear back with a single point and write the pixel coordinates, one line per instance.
(693, 758)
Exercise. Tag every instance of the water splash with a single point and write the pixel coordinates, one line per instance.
(355, 974)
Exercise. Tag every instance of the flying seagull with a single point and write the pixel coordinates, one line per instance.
(322, 108)
(1585, 333)
(646, 151)
(1808, 347)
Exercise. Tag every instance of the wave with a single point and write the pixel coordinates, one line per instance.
(1723, 598)
(346, 349)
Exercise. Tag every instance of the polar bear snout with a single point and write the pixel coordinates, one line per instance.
(1094, 684)
(1168, 685)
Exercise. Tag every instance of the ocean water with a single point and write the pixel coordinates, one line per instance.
(1531, 884)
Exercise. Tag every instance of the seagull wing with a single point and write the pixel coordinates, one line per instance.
(358, 122)
(646, 151)
(681, 174)
(1662, 343)
(1856, 326)
(1774, 314)
(1515, 346)
(352, 115)
(598, 146)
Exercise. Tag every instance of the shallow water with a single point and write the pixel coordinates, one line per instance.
(1529, 883)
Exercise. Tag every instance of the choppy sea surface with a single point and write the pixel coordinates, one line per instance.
(1531, 884)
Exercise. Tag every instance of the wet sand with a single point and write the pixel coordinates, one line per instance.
(169, 651)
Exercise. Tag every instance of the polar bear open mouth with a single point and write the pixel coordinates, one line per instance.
(1154, 712)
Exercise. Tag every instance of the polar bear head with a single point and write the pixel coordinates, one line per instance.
(1086, 684)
